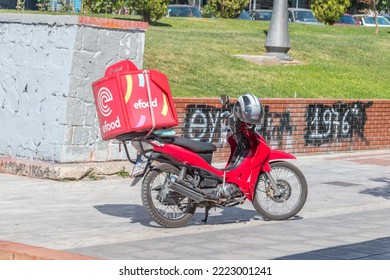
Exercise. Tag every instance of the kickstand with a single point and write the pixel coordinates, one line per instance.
(206, 216)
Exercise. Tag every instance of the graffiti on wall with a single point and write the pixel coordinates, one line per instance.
(337, 122)
(277, 129)
(324, 124)
(206, 124)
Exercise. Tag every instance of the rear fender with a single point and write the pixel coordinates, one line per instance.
(152, 157)
(143, 176)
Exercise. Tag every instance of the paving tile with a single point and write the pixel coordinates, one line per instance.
(106, 219)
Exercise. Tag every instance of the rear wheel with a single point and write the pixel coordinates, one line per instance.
(292, 186)
(166, 207)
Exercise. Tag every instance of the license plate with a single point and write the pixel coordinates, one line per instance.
(140, 166)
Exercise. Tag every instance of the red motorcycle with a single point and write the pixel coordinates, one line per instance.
(178, 175)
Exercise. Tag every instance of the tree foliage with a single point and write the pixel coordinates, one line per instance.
(226, 8)
(149, 10)
(43, 5)
(20, 5)
(329, 11)
(100, 6)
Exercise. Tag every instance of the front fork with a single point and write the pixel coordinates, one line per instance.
(273, 184)
(275, 155)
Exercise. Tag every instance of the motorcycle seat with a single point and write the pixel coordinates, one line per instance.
(195, 146)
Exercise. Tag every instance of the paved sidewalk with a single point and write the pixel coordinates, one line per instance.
(346, 217)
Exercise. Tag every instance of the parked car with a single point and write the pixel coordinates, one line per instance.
(183, 11)
(365, 20)
(346, 19)
(264, 15)
(302, 16)
(244, 15)
(387, 16)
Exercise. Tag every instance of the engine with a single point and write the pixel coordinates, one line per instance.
(226, 191)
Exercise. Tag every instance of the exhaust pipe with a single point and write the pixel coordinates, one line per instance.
(188, 191)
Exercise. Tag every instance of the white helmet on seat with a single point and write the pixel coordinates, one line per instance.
(249, 109)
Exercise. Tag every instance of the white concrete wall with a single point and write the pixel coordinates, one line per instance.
(47, 66)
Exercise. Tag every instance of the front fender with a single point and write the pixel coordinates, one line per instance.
(276, 155)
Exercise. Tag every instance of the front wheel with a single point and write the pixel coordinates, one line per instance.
(293, 187)
(166, 207)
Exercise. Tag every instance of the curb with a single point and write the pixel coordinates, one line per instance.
(61, 171)
(98, 170)
(18, 251)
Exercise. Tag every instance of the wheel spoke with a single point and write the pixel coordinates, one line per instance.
(165, 206)
(292, 187)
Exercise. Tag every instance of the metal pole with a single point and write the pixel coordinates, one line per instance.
(277, 43)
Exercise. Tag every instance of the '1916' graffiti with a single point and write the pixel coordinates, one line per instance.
(340, 121)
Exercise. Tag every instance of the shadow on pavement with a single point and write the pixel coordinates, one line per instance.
(376, 249)
(137, 214)
(134, 212)
(379, 191)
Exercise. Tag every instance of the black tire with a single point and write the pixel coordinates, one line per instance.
(166, 207)
(291, 182)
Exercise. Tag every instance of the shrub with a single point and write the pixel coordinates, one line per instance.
(329, 11)
(102, 6)
(149, 10)
(20, 5)
(226, 8)
(43, 5)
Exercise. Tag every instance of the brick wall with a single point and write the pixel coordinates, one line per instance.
(296, 125)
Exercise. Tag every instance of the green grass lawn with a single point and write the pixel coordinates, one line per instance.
(336, 61)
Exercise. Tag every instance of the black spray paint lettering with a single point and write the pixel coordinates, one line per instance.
(206, 124)
(277, 129)
(331, 123)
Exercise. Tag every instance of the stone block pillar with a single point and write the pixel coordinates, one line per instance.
(47, 66)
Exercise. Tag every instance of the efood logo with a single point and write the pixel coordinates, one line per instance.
(104, 97)
(142, 105)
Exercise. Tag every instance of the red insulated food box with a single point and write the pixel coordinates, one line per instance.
(132, 100)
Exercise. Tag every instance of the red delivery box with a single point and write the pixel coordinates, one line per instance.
(131, 100)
